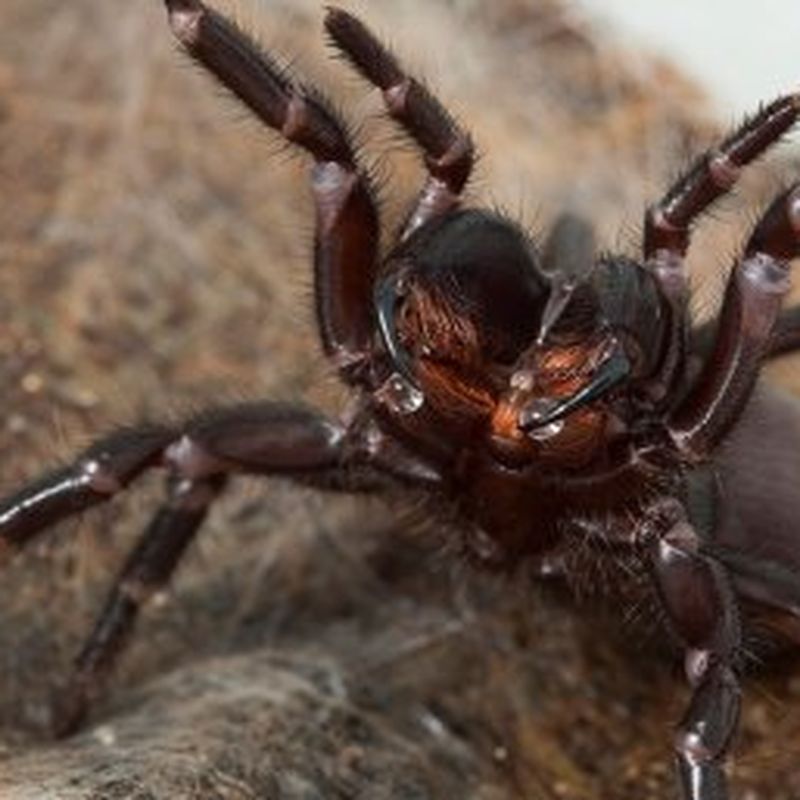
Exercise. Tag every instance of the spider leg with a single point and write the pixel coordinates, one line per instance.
(255, 438)
(258, 438)
(668, 223)
(786, 336)
(347, 228)
(147, 569)
(702, 612)
(281, 438)
(448, 150)
(750, 312)
(100, 472)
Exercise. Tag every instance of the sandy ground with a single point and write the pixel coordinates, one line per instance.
(153, 259)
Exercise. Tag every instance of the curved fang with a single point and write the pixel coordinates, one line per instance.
(388, 294)
(615, 369)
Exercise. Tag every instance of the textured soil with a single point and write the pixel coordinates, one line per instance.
(154, 258)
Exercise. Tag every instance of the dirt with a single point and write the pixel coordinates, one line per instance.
(154, 258)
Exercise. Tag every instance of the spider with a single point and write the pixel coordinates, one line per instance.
(548, 397)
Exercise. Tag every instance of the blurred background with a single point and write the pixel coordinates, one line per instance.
(742, 52)
(154, 259)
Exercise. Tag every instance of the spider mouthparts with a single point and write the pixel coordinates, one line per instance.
(540, 413)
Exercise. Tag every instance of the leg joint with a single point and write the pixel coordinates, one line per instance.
(706, 730)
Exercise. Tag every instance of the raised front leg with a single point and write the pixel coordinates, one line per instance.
(449, 153)
(750, 312)
(701, 609)
(668, 223)
(347, 231)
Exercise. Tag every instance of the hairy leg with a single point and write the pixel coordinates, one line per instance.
(347, 229)
(750, 312)
(696, 594)
(668, 223)
(786, 336)
(448, 150)
(784, 342)
(259, 438)
(147, 569)
(103, 470)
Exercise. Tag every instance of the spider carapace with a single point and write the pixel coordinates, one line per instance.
(547, 394)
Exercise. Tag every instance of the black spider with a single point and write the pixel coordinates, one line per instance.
(548, 396)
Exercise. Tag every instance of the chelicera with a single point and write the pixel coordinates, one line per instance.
(550, 397)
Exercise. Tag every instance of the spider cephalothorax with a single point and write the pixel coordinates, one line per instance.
(549, 394)
(518, 351)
